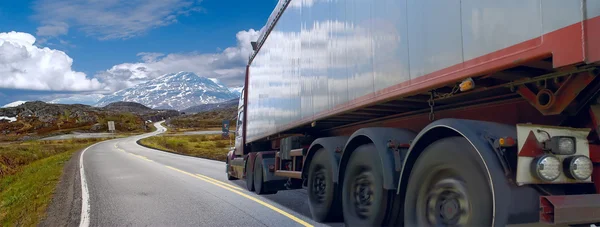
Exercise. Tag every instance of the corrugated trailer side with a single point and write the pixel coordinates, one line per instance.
(426, 112)
(323, 58)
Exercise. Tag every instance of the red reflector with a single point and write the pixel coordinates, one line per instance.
(506, 142)
(404, 145)
(509, 141)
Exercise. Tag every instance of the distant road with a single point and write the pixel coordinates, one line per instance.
(130, 185)
(80, 136)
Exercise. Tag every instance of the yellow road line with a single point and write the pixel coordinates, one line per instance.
(232, 188)
(142, 157)
(136, 155)
(220, 182)
(288, 215)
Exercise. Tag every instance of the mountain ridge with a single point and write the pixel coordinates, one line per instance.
(173, 91)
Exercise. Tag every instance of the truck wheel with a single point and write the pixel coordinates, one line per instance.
(448, 187)
(323, 195)
(260, 187)
(365, 201)
(249, 177)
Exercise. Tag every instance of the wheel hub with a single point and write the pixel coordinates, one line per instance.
(319, 185)
(449, 209)
(363, 194)
(447, 203)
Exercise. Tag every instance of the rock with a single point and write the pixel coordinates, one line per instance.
(97, 127)
(27, 138)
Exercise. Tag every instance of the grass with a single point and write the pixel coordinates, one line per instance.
(15, 155)
(173, 130)
(202, 146)
(30, 173)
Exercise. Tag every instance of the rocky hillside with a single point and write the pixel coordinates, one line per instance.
(173, 91)
(145, 112)
(35, 119)
(211, 106)
(204, 120)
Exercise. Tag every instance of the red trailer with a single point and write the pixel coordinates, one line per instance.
(426, 112)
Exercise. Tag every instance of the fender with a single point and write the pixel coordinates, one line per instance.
(380, 138)
(330, 144)
(268, 158)
(475, 132)
(228, 168)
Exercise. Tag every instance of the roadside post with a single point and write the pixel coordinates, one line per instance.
(111, 127)
(225, 130)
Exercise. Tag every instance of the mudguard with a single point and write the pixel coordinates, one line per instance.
(380, 138)
(330, 144)
(478, 134)
(268, 158)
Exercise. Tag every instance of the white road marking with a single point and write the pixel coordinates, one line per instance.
(85, 196)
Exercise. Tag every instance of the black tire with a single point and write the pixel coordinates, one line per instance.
(365, 201)
(260, 187)
(324, 197)
(249, 176)
(449, 186)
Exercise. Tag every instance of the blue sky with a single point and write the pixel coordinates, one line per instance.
(109, 40)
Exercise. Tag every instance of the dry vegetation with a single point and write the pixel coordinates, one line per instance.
(202, 146)
(29, 173)
(15, 155)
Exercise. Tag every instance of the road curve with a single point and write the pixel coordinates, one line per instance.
(136, 186)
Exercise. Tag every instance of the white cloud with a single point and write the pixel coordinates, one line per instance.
(26, 66)
(86, 99)
(53, 29)
(150, 57)
(110, 19)
(228, 66)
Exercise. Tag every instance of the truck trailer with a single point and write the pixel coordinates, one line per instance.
(426, 112)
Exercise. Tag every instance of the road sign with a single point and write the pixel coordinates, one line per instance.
(225, 125)
(111, 126)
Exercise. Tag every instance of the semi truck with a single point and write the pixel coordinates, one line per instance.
(426, 112)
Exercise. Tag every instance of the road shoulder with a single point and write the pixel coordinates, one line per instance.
(65, 208)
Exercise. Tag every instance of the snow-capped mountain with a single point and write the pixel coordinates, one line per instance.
(14, 104)
(90, 99)
(173, 91)
(236, 90)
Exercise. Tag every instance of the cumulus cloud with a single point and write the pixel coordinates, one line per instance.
(109, 19)
(26, 66)
(228, 66)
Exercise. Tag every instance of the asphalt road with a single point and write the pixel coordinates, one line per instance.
(136, 186)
